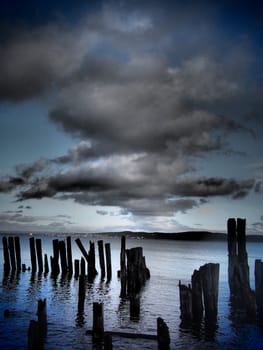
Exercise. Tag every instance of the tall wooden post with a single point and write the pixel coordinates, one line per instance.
(76, 268)
(123, 268)
(12, 252)
(63, 257)
(18, 253)
(46, 264)
(55, 265)
(238, 270)
(259, 287)
(92, 272)
(33, 254)
(82, 267)
(108, 261)
(39, 255)
(6, 255)
(101, 258)
(69, 255)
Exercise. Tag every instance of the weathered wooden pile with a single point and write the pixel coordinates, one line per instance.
(201, 296)
(12, 254)
(242, 296)
(133, 276)
(37, 330)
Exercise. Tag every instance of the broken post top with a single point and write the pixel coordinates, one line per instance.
(236, 236)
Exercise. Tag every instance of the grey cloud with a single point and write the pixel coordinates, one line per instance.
(102, 212)
(8, 184)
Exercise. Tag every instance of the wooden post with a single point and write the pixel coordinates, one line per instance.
(185, 294)
(163, 335)
(238, 270)
(46, 264)
(108, 261)
(210, 278)
(63, 257)
(136, 270)
(69, 255)
(37, 329)
(33, 254)
(6, 255)
(42, 317)
(12, 252)
(98, 322)
(135, 307)
(76, 268)
(39, 255)
(18, 253)
(34, 342)
(101, 257)
(82, 292)
(55, 266)
(107, 342)
(82, 249)
(92, 272)
(123, 268)
(82, 267)
(197, 299)
(259, 287)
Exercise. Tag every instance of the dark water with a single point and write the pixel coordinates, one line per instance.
(168, 261)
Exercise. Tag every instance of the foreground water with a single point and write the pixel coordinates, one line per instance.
(168, 261)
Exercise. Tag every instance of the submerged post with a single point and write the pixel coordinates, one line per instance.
(98, 322)
(92, 272)
(163, 335)
(76, 268)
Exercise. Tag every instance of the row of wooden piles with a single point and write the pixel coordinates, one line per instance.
(61, 261)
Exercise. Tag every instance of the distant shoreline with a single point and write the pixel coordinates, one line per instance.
(176, 236)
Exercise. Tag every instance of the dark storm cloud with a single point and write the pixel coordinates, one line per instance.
(7, 184)
(143, 99)
(112, 186)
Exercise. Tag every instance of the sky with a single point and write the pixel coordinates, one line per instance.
(130, 115)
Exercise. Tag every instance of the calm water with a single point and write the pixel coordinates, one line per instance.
(168, 261)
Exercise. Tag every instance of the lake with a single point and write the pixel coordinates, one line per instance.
(168, 261)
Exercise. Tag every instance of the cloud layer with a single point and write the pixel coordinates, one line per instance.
(144, 102)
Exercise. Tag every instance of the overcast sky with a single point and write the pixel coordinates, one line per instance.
(138, 115)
